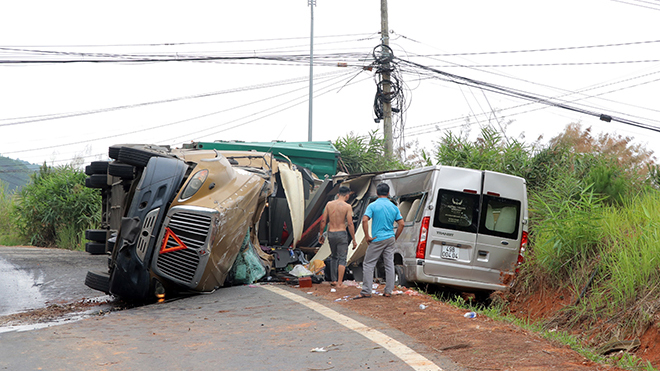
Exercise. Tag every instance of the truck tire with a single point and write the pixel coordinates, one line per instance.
(95, 248)
(96, 235)
(139, 156)
(96, 167)
(123, 171)
(98, 281)
(97, 181)
(400, 276)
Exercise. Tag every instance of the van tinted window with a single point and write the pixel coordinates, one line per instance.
(456, 210)
(500, 217)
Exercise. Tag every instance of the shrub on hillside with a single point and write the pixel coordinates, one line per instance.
(55, 206)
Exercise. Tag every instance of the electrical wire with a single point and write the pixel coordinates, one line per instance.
(526, 96)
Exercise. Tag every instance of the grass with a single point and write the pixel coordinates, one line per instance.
(499, 313)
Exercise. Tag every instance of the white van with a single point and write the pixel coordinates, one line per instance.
(463, 228)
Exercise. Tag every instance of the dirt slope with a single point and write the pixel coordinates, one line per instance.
(477, 344)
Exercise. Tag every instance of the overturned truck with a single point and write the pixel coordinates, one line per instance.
(176, 220)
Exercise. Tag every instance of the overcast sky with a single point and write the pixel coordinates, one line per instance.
(569, 51)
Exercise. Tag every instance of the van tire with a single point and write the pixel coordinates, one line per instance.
(400, 276)
(98, 281)
(95, 248)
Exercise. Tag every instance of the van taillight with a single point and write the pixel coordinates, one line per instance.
(523, 246)
(423, 234)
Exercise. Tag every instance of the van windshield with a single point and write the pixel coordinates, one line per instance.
(456, 210)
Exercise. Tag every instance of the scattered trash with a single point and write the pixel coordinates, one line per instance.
(374, 286)
(300, 271)
(310, 292)
(318, 350)
(338, 299)
(351, 283)
(333, 290)
(397, 292)
(470, 315)
(253, 286)
(422, 306)
(411, 293)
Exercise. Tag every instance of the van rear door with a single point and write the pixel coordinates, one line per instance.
(454, 222)
(504, 208)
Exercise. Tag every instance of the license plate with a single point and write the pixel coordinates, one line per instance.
(449, 252)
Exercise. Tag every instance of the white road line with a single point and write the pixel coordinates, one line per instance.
(407, 355)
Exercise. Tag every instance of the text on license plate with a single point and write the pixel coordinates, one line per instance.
(449, 252)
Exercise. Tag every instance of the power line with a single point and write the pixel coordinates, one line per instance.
(185, 43)
(160, 126)
(57, 116)
(526, 96)
(548, 64)
(533, 50)
(641, 6)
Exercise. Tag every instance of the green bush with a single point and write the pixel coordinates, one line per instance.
(8, 235)
(364, 154)
(57, 207)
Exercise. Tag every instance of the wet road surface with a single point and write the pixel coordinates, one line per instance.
(32, 277)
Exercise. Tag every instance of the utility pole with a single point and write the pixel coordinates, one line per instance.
(385, 76)
(311, 4)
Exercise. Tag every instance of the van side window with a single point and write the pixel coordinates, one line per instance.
(410, 207)
(456, 210)
(500, 217)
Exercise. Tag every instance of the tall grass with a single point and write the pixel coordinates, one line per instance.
(8, 234)
(608, 255)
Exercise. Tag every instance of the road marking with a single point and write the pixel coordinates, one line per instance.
(407, 355)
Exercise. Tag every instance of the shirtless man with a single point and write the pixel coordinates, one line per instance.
(338, 214)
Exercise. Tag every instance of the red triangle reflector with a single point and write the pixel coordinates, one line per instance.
(177, 245)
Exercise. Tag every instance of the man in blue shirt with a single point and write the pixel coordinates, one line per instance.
(381, 241)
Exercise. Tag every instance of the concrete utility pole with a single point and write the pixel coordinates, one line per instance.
(385, 76)
(311, 4)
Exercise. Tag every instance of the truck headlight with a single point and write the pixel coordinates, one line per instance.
(194, 184)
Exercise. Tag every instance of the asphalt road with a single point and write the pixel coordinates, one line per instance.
(236, 328)
(32, 277)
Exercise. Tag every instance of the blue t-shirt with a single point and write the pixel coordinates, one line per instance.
(383, 213)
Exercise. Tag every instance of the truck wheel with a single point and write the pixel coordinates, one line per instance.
(98, 281)
(139, 156)
(95, 248)
(97, 181)
(400, 276)
(123, 171)
(96, 167)
(96, 235)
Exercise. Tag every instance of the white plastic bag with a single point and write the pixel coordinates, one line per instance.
(300, 271)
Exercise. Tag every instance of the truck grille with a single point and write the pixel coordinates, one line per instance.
(192, 229)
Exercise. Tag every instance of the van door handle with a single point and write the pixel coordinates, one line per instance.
(505, 243)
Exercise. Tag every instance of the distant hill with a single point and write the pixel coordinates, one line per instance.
(15, 173)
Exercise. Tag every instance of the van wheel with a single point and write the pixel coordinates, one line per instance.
(400, 276)
(98, 281)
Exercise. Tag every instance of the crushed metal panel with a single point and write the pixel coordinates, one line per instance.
(292, 183)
